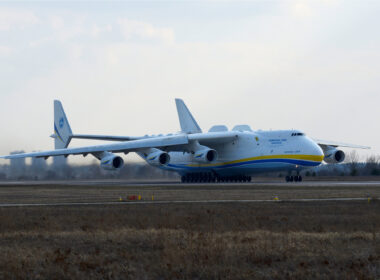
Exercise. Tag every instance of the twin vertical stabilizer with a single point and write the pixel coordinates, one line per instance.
(186, 119)
(62, 131)
(63, 134)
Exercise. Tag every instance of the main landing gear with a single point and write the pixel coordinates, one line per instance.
(297, 178)
(212, 178)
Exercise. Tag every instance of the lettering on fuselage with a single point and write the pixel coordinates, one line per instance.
(277, 141)
(292, 152)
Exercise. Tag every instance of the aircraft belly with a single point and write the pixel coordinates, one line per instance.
(243, 167)
(256, 168)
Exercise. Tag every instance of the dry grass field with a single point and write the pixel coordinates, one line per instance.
(283, 240)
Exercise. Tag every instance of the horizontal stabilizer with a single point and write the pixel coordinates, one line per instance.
(104, 137)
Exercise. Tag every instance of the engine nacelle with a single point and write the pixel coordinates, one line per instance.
(334, 156)
(111, 162)
(158, 158)
(205, 155)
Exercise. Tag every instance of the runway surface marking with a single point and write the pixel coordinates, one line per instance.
(179, 202)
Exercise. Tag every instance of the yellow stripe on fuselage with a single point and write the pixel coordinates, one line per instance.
(314, 158)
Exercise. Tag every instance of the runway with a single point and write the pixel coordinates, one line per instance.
(173, 183)
(117, 192)
(369, 199)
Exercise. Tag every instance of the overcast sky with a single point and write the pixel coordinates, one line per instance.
(117, 67)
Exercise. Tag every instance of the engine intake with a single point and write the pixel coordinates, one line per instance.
(158, 158)
(334, 156)
(206, 155)
(111, 162)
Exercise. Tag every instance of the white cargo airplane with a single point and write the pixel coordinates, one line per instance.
(217, 155)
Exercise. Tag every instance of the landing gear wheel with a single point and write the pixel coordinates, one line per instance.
(296, 178)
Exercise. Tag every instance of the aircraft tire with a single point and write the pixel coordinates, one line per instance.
(289, 178)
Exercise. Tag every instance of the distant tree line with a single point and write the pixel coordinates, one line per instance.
(92, 171)
(351, 167)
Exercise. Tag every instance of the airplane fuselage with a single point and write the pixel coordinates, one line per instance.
(254, 152)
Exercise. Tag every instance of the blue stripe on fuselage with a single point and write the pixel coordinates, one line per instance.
(280, 160)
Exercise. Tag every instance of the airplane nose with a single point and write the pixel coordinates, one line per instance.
(316, 150)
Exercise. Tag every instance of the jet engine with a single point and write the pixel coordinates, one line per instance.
(158, 158)
(111, 162)
(333, 155)
(206, 155)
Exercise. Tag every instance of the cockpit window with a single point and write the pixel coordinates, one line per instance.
(298, 134)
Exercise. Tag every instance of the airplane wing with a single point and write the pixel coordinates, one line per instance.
(179, 142)
(202, 138)
(121, 147)
(339, 144)
(214, 138)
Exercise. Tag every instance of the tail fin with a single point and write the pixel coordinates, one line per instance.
(62, 131)
(186, 119)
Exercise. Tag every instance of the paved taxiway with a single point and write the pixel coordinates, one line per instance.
(178, 202)
(148, 183)
(117, 192)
